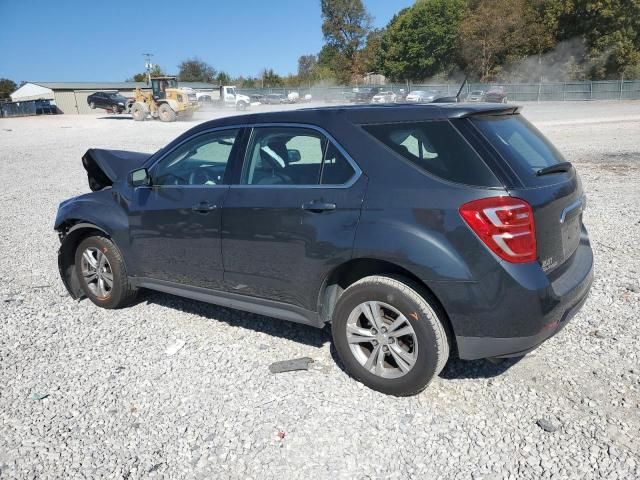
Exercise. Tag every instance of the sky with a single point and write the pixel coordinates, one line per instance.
(73, 40)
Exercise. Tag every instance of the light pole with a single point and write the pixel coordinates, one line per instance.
(148, 65)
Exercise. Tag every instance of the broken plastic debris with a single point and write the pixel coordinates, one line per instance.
(291, 365)
(281, 435)
(39, 396)
(176, 347)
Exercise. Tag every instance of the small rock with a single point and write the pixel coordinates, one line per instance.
(632, 288)
(176, 347)
(547, 425)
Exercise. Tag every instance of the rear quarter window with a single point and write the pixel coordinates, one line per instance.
(437, 148)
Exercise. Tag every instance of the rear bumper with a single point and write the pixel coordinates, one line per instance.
(519, 310)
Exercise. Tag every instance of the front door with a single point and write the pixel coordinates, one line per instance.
(293, 216)
(175, 223)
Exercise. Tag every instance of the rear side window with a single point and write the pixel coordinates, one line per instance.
(518, 142)
(437, 148)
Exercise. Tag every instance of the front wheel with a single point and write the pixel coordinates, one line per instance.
(102, 273)
(390, 335)
(92, 105)
(138, 112)
(166, 113)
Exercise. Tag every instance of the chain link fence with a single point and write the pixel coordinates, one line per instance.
(517, 92)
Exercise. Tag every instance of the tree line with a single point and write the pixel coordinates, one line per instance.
(488, 40)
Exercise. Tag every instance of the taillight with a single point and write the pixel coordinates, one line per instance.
(505, 225)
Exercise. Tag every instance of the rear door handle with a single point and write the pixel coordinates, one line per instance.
(317, 207)
(203, 207)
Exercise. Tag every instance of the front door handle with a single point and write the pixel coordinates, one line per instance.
(317, 207)
(203, 207)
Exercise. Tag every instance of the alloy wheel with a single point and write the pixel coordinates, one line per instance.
(97, 273)
(381, 339)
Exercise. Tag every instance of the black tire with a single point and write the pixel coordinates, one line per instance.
(138, 112)
(92, 105)
(424, 316)
(166, 113)
(121, 293)
(242, 106)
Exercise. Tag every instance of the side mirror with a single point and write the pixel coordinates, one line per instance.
(294, 155)
(139, 178)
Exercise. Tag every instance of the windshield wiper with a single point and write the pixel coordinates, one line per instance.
(557, 168)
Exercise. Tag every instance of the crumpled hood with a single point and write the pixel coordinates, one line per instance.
(107, 166)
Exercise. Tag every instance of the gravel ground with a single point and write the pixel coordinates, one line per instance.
(87, 393)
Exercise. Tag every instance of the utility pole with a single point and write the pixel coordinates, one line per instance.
(148, 65)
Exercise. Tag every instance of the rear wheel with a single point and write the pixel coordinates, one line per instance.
(138, 112)
(102, 273)
(390, 335)
(241, 106)
(166, 113)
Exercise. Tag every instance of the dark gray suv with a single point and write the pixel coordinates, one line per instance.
(416, 231)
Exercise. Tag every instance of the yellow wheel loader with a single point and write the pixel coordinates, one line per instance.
(165, 101)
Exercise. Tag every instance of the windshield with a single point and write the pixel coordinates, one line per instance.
(231, 90)
(519, 142)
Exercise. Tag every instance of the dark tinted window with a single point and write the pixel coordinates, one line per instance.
(436, 147)
(336, 169)
(519, 142)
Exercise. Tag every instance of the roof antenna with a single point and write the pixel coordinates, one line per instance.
(464, 82)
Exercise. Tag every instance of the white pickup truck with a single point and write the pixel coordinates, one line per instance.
(225, 96)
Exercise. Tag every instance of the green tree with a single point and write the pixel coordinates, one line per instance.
(493, 33)
(196, 70)
(611, 31)
(422, 41)
(223, 78)
(345, 25)
(370, 57)
(269, 78)
(7, 87)
(306, 67)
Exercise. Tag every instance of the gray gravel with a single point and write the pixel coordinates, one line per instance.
(88, 393)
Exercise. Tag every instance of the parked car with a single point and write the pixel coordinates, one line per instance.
(256, 98)
(475, 96)
(384, 97)
(364, 94)
(401, 226)
(422, 96)
(496, 95)
(274, 99)
(108, 101)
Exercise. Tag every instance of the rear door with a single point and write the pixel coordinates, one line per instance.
(293, 215)
(544, 180)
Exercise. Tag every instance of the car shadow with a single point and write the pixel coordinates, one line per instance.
(296, 332)
(116, 117)
(457, 369)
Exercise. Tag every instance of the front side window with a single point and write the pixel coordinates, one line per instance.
(437, 148)
(294, 156)
(200, 161)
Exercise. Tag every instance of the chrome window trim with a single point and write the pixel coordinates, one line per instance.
(356, 168)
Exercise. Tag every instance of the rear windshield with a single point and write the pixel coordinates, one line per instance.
(519, 142)
(437, 148)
